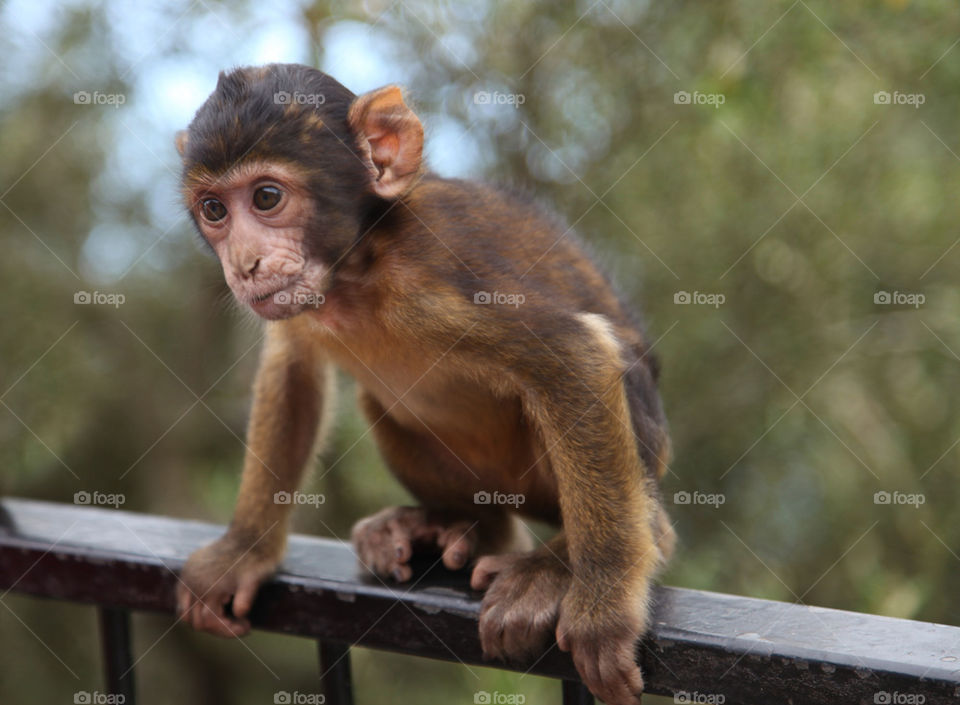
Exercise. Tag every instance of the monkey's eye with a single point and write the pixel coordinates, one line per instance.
(266, 197)
(213, 210)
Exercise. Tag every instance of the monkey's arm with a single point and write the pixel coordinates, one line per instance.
(287, 402)
(610, 515)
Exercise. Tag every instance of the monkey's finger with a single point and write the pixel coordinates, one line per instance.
(588, 667)
(215, 621)
(458, 543)
(402, 549)
(525, 639)
(620, 673)
(184, 600)
(632, 677)
(617, 692)
(198, 616)
(193, 615)
(607, 677)
(237, 627)
(401, 543)
(228, 628)
(244, 596)
(201, 616)
(402, 572)
(377, 554)
(488, 568)
(514, 642)
(491, 633)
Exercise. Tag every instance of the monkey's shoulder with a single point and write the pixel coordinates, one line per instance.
(477, 212)
(495, 246)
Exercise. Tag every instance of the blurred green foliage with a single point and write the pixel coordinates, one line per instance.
(800, 199)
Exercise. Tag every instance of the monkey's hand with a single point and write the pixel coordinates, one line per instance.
(602, 642)
(225, 573)
(386, 541)
(519, 611)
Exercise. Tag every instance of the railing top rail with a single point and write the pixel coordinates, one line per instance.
(749, 650)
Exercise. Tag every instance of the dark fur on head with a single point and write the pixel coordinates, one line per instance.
(291, 114)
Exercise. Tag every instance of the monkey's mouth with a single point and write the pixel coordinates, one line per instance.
(270, 303)
(265, 297)
(278, 303)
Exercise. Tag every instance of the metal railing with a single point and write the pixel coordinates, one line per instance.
(701, 645)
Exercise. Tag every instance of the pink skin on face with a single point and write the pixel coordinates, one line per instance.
(261, 249)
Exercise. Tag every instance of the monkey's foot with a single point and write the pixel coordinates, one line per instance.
(603, 644)
(520, 610)
(386, 541)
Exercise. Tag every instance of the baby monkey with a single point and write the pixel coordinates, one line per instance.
(493, 361)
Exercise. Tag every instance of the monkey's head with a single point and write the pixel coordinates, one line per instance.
(282, 166)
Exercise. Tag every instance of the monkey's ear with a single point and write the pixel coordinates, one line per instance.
(181, 141)
(390, 138)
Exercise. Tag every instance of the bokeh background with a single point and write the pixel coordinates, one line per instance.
(804, 199)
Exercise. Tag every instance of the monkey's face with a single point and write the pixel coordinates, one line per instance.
(256, 218)
(281, 188)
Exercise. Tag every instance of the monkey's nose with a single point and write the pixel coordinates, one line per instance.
(252, 270)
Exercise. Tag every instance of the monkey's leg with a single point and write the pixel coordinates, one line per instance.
(284, 421)
(446, 523)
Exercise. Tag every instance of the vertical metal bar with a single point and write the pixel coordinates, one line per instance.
(335, 679)
(117, 659)
(576, 693)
